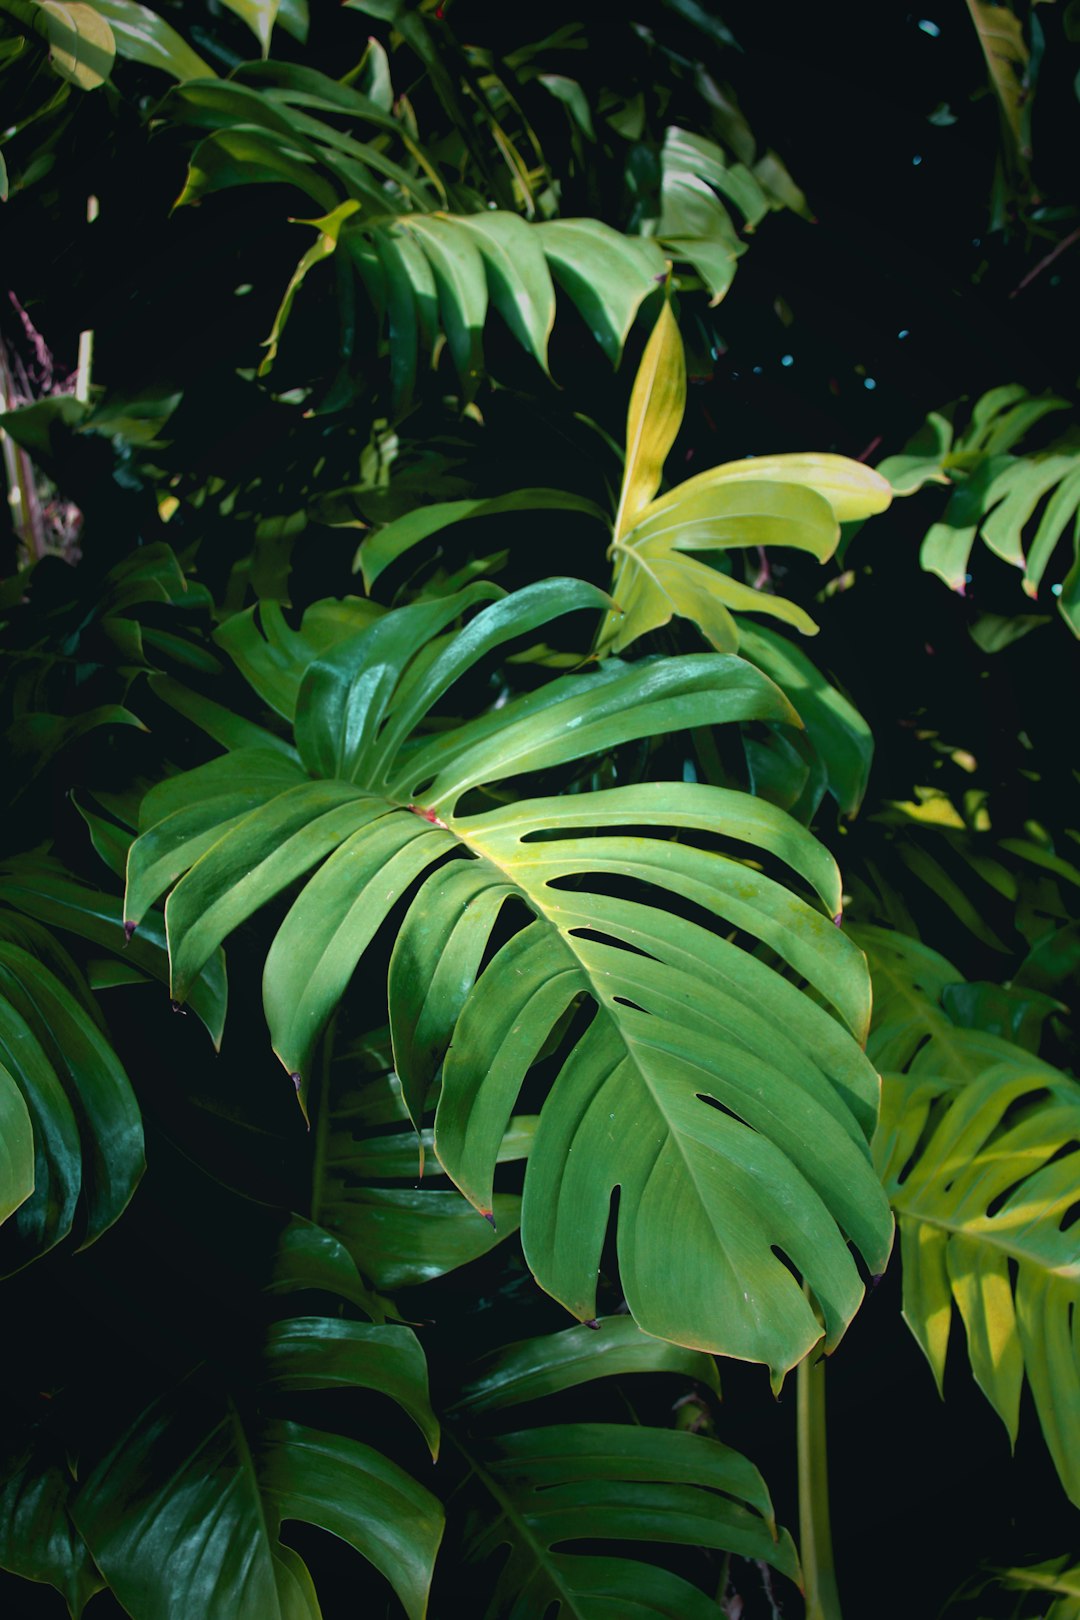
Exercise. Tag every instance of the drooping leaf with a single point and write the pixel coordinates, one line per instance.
(87, 1138)
(981, 1212)
(599, 1482)
(43, 889)
(183, 1515)
(38, 1539)
(542, 1366)
(142, 36)
(383, 547)
(1021, 505)
(836, 729)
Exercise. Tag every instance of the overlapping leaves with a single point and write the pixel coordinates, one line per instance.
(1023, 506)
(183, 1515)
(976, 1147)
(535, 1493)
(679, 1013)
(73, 1139)
(788, 500)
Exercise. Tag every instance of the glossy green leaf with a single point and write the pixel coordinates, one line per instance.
(38, 1539)
(461, 280)
(81, 44)
(1020, 505)
(16, 1148)
(308, 1257)
(610, 1348)
(260, 16)
(272, 656)
(1001, 37)
(246, 156)
(1057, 1577)
(93, 1079)
(519, 280)
(317, 1352)
(911, 1030)
(44, 890)
(606, 275)
(183, 1515)
(142, 36)
(611, 1483)
(838, 732)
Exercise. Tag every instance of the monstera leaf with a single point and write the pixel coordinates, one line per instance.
(985, 1199)
(787, 500)
(731, 1109)
(612, 1482)
(184, 1513)
(67, 1103)
(536, 1492)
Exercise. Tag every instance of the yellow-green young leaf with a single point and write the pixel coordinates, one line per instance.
(656, 412)
(983, 1213)
(854, 491)
(1002, 41)
(81, 44)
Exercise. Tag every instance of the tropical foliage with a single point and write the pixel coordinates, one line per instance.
(523, 909)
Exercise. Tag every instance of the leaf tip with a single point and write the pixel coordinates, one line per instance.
(129, 931)
(489, 1216)
(591, 1322)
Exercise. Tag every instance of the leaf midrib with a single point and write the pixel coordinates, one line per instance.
(603, 1008)
(539, 1549)
(958, 1228)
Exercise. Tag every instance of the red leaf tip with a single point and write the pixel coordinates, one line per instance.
(489, 1216)
(426, 815)
(591, 1323)
(129, 932)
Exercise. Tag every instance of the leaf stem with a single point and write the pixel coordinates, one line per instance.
(815, 1536)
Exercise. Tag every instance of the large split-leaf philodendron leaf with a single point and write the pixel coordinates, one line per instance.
(183, 1515)
(785, 500)
(731, 1109)
(536, 1496)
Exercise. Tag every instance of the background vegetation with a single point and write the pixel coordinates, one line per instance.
(265, 476)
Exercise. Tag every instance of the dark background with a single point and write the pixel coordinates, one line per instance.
(899, 282)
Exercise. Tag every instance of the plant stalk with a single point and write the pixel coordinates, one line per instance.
(815, 1535)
